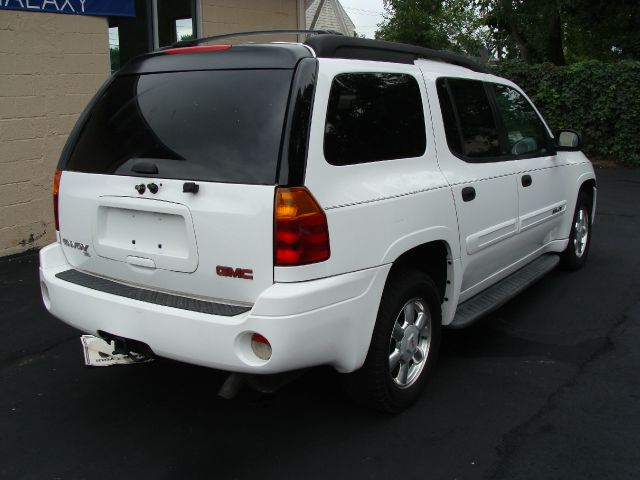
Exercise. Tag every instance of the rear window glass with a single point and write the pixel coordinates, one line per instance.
(373, 117)
(219, 126)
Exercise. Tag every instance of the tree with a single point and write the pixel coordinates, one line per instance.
(414, 21)
(603, 29)
(534, 27)
(554, 30)
(437, 24)
(114, 57)
(534, 31)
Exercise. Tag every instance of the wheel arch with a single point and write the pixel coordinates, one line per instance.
(424, 246)
(433, 258)
(589, 187)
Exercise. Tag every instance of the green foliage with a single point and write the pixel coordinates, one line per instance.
(438, 24)
(600, 100)
(533, 26)
(556, 31)
(415, 22)
(602, 29)
(114, 57)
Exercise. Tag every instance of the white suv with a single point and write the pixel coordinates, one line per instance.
(262, 208)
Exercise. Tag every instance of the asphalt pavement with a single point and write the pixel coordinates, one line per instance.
(547, 387)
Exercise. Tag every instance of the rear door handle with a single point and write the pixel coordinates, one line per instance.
(468, 194)
(141, 262)
(526, 180)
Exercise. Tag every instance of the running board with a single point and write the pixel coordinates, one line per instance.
(497, 295)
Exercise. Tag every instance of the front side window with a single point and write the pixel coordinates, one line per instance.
(526, 133)
(469, 122)
(487, 122)
(373, 117)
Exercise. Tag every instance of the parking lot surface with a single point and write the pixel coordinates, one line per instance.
(547, 387)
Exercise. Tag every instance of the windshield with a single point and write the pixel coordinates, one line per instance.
(218, 126)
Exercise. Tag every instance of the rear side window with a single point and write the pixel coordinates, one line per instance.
(219, 126)
(526, 134)
(373, 117)
(469, 122)
(454, 139)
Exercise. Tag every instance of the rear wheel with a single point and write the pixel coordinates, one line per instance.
(403, 347)
(575, 255)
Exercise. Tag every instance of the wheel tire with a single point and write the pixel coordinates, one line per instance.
(376, 384)
(575, 255)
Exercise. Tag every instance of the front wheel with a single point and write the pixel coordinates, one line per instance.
(404, 344)
(575, 255)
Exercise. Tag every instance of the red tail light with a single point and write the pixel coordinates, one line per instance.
(196, 49)
(56, 190)
(301, 231)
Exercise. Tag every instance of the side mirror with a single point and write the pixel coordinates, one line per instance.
(568, 141)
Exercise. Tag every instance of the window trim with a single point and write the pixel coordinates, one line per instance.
(197, 22)
(372, 72)
(497, 118)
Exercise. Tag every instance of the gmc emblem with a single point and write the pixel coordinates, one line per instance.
(242, 273)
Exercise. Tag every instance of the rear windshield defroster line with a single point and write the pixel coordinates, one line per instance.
(218, 126)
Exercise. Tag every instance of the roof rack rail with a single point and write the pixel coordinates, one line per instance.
(198, 41)
(339, 46)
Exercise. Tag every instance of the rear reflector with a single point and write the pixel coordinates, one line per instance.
(200, 48)
(56, 191)
(301, 231)
(260, 346)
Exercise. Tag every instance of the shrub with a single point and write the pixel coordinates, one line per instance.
(600, 100)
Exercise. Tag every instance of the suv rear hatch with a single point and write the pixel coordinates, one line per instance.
(168, 179)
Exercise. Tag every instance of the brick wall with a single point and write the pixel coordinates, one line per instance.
(50, 67)
(224, 16)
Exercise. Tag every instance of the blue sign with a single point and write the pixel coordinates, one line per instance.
(102, 8)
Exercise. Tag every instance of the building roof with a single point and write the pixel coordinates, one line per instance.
(328, 15)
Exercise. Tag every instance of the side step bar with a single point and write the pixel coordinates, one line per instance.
(497, 295)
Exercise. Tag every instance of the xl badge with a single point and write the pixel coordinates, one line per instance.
(77, 245)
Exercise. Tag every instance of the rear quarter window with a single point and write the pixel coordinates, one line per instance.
(373, 117)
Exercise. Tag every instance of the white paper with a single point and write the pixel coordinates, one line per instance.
(98, 353)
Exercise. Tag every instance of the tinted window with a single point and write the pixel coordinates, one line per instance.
(479, 135)
(526, 134)
(373, 117)
(449, 117)
(221, 126)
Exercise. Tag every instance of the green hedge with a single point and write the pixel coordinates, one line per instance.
(600, 100)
